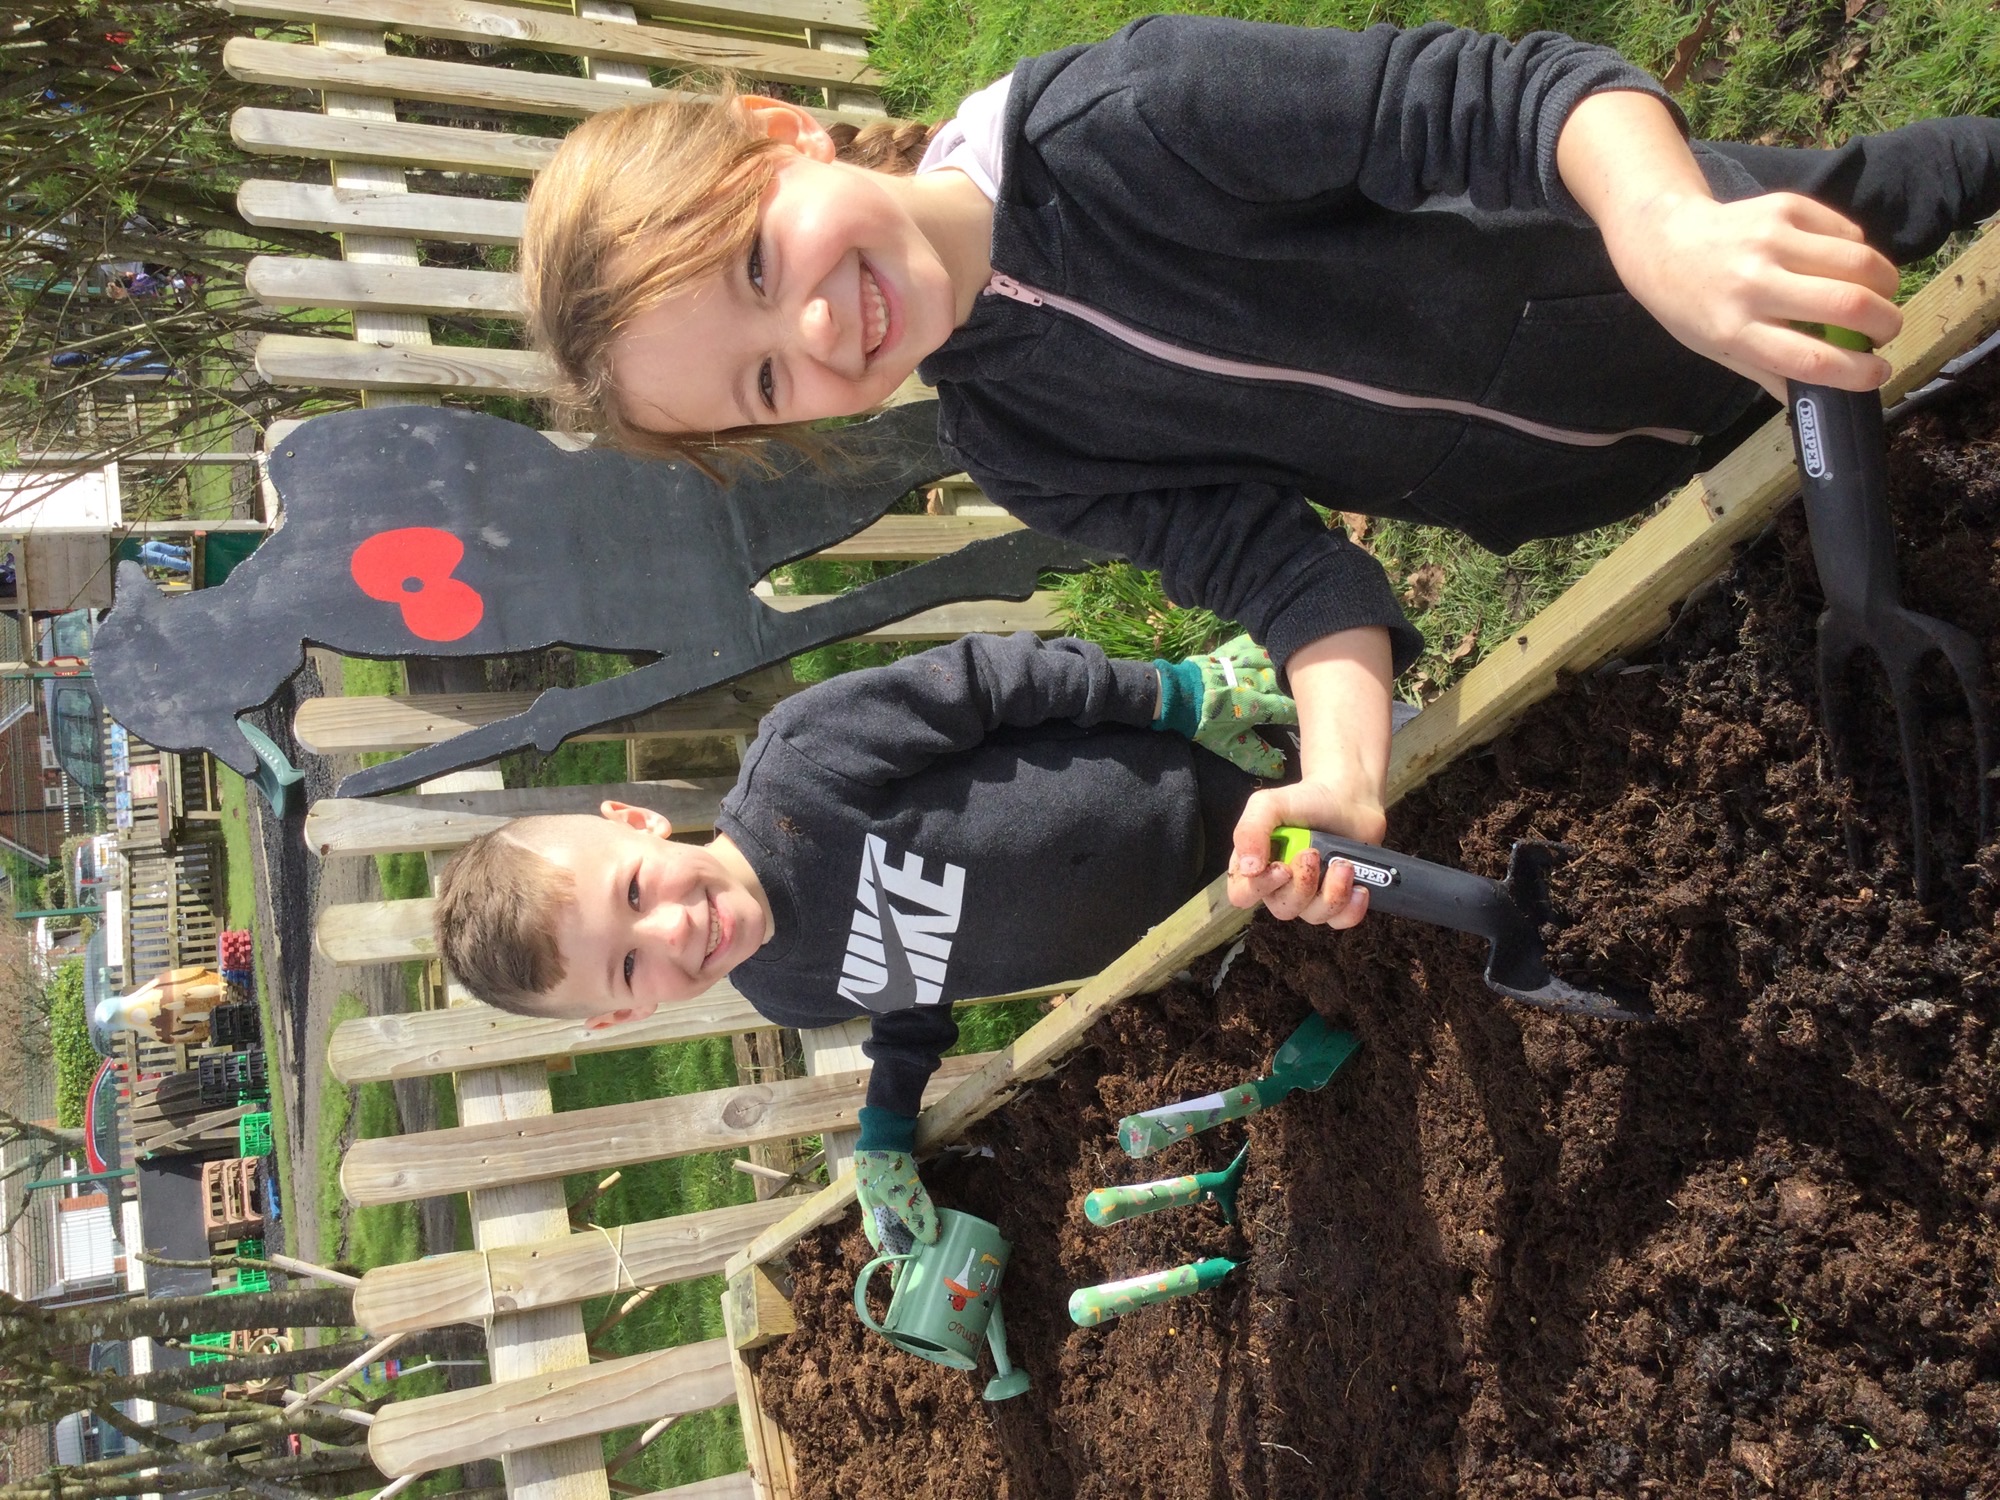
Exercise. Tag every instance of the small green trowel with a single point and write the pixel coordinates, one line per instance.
(1113, 1204)
(1310, 1056)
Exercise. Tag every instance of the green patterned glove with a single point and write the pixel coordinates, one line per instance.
(1218, 701)
(896, 1208)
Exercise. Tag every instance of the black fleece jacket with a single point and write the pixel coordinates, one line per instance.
(985, 817)
(1381, 206)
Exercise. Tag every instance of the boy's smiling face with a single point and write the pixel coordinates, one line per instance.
(653, 922)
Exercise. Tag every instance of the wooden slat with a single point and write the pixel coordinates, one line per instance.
(290, 359)
(914, 538)
(328, 726)
(737, 1486)
(417, 1044)
(331, 210)
(510, 90)
(1627, 598)
(472, 1285)
(441, 148)
(395, 1169)
(351, 826)
(522, 1346)
(1204, 922)
(550, 31)
(291, 281)
(837, 1049)
(383, 252)
(838, 15)
(434, 1432)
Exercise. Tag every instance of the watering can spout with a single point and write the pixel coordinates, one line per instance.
(1007, 1381)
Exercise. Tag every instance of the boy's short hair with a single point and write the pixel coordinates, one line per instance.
(498, 904)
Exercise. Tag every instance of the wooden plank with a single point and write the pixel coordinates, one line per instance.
(764, 1443)
(739, 1486)
(333, 210)
(837, 1049)
(551, 31)
(295, 281)
(473, 1285)
(382, 251)
(521, 1346)
(433, 1432)
(840, 15)
(510, 90)
(1039, 612)
(413, 825)
(291, 359)
(1205, 921)
(1627, 598)
(409, 721)
(442, 148)
(395, 1169)
(914, 538)
(759, 1311)
(376, 932)
(418, 1044)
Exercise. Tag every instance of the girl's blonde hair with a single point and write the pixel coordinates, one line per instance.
(637, 204)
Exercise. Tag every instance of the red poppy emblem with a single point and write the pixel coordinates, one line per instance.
(412, 567)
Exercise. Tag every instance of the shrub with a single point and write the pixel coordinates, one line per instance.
(76, 1059)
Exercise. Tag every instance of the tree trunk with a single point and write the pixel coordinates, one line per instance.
(178, 1318)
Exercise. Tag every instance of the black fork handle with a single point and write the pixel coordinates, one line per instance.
(1839, 441)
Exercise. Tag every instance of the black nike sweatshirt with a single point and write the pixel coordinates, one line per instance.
(985, 817)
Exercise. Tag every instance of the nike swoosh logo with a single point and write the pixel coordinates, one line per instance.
(899, 990)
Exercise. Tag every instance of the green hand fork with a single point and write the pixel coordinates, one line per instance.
(1113, 1204)
(1309, 1057)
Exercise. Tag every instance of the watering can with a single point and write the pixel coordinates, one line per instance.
(946, 1297)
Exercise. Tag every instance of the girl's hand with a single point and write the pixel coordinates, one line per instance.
(1726, 279)
(1730, 279)
(1341, 684)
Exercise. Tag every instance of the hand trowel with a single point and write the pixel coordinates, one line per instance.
(1309, 1057)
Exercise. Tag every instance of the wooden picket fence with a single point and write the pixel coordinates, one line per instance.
(550, 1400)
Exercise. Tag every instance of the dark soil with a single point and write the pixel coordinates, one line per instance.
(1752, 1249)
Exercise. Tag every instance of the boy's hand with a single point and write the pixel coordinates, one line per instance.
(1302, 889)
(1217, 701)
(896, 1208)
(1341, 683)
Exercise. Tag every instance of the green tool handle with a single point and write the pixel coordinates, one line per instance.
(1156, 1129)
(1109, 1205)
(1091, 1305)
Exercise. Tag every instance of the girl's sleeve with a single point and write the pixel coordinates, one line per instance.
(1281, 113)
(1254, 553)
(890, 722)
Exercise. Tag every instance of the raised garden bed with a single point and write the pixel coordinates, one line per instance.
(1505, 1253)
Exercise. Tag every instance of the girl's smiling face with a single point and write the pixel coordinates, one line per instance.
(852, 278)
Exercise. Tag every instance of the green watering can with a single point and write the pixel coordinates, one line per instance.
(946, 1298)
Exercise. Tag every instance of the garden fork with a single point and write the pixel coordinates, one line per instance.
(1843, 464)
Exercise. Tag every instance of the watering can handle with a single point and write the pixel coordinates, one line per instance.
(861, 1289)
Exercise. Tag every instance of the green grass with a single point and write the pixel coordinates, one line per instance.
(336, 1115)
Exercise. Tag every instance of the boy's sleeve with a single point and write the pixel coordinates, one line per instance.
(890, 722)
(1285, 114)
(1253, 553)
(906, 1047)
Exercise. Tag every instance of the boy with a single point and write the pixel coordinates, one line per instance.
(988, 816)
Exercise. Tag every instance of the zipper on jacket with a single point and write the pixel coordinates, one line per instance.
(1002, 285)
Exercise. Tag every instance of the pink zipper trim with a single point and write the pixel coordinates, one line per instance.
(1211, 364)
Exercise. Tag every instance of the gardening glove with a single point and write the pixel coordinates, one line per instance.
(1218, 701)
(896, 1208)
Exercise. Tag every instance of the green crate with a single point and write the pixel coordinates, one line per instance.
(251, 1280)
(208, 1348)
(253, 1135)
(252, 1247)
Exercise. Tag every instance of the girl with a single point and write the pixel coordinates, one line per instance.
(1170, 284)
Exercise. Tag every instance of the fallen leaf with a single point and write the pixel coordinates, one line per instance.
(1689, 46)
(1464, 647)
(1357, 527)
(1422, 588)
(1855, 7)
